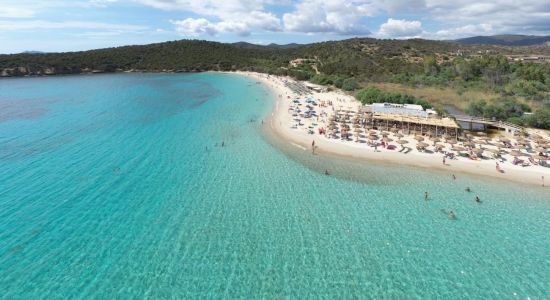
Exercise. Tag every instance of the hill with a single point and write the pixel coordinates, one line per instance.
(505, 40)
(354, 57)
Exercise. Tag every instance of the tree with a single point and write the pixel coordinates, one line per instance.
(350, 84)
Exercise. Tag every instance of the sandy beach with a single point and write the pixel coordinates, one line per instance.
(282, 123)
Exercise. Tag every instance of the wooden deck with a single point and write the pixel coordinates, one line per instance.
(508, 127)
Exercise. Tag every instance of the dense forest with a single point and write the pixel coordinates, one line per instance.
(349, 64)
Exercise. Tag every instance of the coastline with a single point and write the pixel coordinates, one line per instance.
(279, 124)
(280, 119)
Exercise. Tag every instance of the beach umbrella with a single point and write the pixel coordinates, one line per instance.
(536, 136)
(394, 130)
(516, 153)
(518, 147)
(439, 146)
(373, 137)
(435, 139)
(469, 144)
(523, 142)
(422, 144)
(481, 133)
(399, 135)
(483, 141)
(458, 148)
(419, 138)
(504, 140)
(402, 142)
(495, 151)
(451, 142)
(478, 150)
(373, 132)
(358, 130)
(387, 140)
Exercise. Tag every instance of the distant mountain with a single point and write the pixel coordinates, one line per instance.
(246, 45)
(32, 52)
(505, 40)
(285, 46)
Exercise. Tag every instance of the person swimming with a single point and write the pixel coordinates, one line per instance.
(326, 172)
(478, 200)
(425, 195)
(449, 214)
(452, 215)
(468, 189)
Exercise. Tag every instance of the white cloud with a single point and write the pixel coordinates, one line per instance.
(464, 31)
(328, 16)
(349, 17)
(235, 16)
(503, 16)
(400, 29)
(196, 27)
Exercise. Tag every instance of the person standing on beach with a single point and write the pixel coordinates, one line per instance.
(443, 159)
(454, 177)
(313, 147)
(542, 180)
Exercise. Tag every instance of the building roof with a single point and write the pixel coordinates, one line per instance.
(433, 121)
(401, 109)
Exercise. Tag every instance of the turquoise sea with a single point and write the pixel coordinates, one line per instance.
(118, 187)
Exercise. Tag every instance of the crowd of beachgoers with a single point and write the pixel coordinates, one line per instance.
(336, 122)
(329, 120)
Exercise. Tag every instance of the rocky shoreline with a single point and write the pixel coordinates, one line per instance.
(51, 71)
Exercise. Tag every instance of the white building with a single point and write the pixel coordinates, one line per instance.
(401, 109)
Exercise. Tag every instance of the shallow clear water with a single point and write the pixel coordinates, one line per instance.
(116, 186)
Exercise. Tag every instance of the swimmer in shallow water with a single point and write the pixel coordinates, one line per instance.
(326, 172)
(449, 214)
(452, 215)
(478, 200)
(468, 189)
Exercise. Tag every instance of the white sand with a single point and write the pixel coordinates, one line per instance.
(281, 122)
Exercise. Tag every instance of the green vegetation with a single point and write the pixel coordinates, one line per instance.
(509, 109)
(492, 73)
(505, 109)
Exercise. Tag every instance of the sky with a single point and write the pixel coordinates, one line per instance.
(74, 25)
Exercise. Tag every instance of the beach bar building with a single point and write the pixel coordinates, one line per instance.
(409, 118)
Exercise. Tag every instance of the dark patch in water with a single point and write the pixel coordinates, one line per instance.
(176, 100)
(13, 109)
